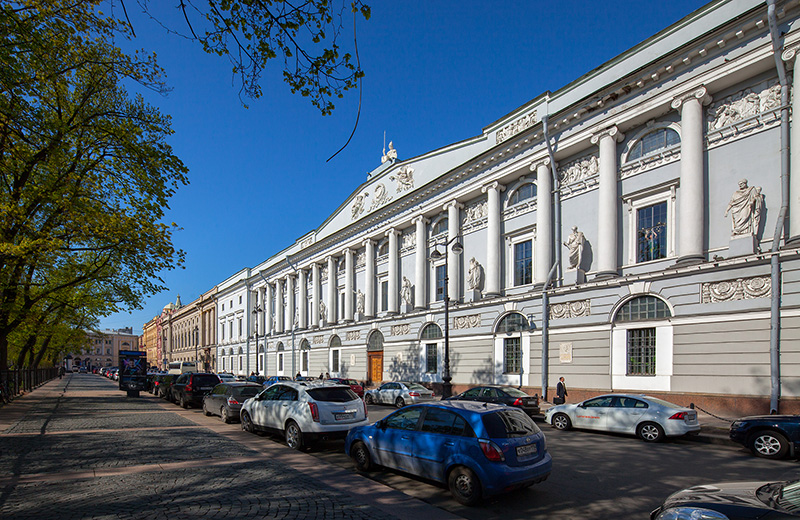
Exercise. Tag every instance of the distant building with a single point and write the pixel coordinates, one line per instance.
(102, 348)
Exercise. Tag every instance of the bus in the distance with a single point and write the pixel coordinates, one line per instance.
(181, 367)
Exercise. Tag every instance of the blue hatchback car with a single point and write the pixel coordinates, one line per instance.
(271, 380)
(477, 449)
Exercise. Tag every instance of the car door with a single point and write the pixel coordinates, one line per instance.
(473, 394)
(433, 444)
(263, 408)
(625, 414)
(385, 393)
(215, 398)
(593, 413)
(287, 407)
(394, 442)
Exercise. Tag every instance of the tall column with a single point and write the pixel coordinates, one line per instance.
(691, 211)
(262, 316)
(315, 294)
(279, 306)
(302, 302)
(793, 238)
(333, 285)
(269, 325)
(369, 279)
(420, 264)
(607, 221)
(394, 272)
(543, 256)
(349, 290)
(453, 261)
(492, 287)
(289, 315)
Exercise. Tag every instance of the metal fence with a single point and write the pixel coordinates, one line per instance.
(17, 382)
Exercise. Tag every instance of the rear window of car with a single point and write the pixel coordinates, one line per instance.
(246, 391)
(205, 380)
(508, 424)
(415, 386)
(665, 403)
(515, 392)
(334, 395)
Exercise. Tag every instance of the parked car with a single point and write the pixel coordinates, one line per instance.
(355, 386)
(255, 379)
(649, 418)
(226, 377)
(271, 380)
(507, 395)
(226, 399)
(476, 449)
(399, 394)
(189, 388)
(768, 436)
(732, 501)
(162, 384)
(303, 413)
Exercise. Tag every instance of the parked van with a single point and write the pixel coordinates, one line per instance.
(182, 367)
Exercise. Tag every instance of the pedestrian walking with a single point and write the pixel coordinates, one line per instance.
(561, 392)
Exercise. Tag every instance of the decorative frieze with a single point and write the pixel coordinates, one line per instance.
(361, 259)
(408, 241)
(574, 309)
(318, 340)
(379, 197)
(579, 169)
(404, 178)
(323, 273)
(467, 322)
(475, 213)
(745, 112)
(353, 335)
(516, 127)
(739, 289)
(401, 329)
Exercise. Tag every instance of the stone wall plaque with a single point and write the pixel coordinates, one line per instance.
(739, 289)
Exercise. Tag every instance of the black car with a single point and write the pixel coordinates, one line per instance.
(733, 501)
(500, 394)
(768, 436)
(190, 388)
(162, 384)
(226, 399)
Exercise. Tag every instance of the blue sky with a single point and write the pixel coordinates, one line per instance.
(437, 72)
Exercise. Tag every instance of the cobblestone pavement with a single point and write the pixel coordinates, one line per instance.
(77, 448)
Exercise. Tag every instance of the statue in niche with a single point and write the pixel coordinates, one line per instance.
(405, 292)
(575, 245)
(745, 207)
(474, 275)
(323, 313)
(391, 155)
(360, 302)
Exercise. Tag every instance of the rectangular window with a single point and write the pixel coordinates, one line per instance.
(280, 362)
(523, 263)
(651, 232)
(431, 358)
(230, 329)
(261, 363)
(222, 332)
(240, 362)
(304, 361)
(512, 355)
(642, 352)
(341, 306)
(335, 360)
(385, 296)
(441, 275)
(240, 327)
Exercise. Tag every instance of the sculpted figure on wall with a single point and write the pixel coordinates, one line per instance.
(575, 245)
(323, 313)
(358, 206)
(405, 179)
(745, 207)
(474, 276)
(360, 302)
(391, 155)
(405, 292)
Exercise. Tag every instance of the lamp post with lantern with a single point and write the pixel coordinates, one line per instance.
(457, 248)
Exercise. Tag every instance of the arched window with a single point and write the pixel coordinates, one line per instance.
(230, 352)
(513, 322)
(383, 249)
(431, 331)
(304, 348)
(439, 227)
(279, 347)
(375, 342)
(524, 192)
(304, 345)
(643, 308)
(241, 351)
(335, 342)
(654, 141)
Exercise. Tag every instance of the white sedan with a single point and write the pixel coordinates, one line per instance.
(304, 413)
(649, 418)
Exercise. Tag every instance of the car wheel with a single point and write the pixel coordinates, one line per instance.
(205, 410)
(464, 485)
(769, 444)
(247, 423)
(368, 399)
(226, 417)
(650, 432)
(399, 402)
(184, 404)
(561, 421)
(294, 436)
(360, 454)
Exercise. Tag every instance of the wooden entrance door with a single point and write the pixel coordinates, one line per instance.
(375, 360)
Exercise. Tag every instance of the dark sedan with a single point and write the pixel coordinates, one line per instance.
(226, 399)
(732, 501)
(190, 388)
(768, 436)
(507, 395)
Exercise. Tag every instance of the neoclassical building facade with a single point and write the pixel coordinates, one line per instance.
(625, 232)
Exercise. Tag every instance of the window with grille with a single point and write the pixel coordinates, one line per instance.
(280, 362)
(512, 355)
(643, 308)
(431, 331)
(653, 142)
(651, 231)
(641, 352)
(441, 275)
(523, 263)
(335, 361)
(385, 296)
(524, 192)
(431, 358)
(304, 361)
(439, 227)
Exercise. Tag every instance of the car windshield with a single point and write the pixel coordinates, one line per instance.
(416, 386)
(350, 381)
(514, 392)
(205, 380)
(789, 496)
(665, 403)
(507, 424)
(332, 394)
(246, 391)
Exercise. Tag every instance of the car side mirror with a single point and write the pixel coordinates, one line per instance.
(381, 424)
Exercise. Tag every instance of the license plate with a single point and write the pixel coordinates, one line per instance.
(526, 450)
(343, 416)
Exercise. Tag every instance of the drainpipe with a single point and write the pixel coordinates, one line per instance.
(556, 269)
(775, 268)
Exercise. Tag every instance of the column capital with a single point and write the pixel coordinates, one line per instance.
(611, 131)
(391, 231)
(788, 55)
(368, 242)
(699, 93)
(422, 218)
(493, 186)
(535, 165)
(346, 251)
(452, 203)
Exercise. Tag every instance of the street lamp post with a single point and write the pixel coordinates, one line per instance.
(256, 310)
(447, 387)
(196, 341)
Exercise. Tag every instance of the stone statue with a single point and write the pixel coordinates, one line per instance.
(575, 245)
(322, 312)
(746, 206)
(474, 275)
(391, 155)
(360, 302)
(405, 292)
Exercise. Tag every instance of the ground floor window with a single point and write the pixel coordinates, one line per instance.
(304, 360)
(335, 360)
(431, 358)
(280, 362)
(641, 352)
(512, 355)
